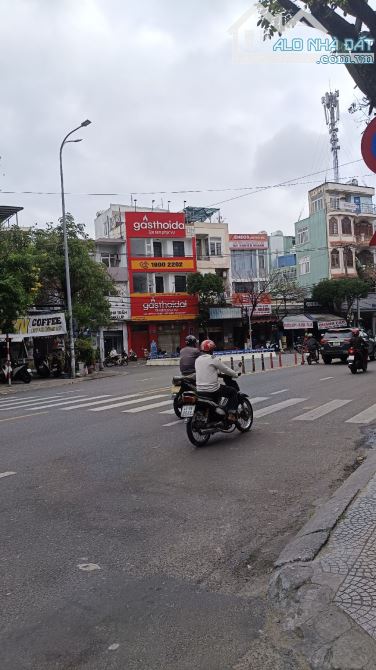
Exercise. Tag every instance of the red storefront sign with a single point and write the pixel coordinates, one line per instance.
(246, 242)
(163, 307)
(155, 224)
(264, 305)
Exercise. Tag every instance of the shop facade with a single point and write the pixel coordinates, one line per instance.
(161, 252)
(44, 335)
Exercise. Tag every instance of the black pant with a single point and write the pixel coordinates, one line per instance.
(226, 392)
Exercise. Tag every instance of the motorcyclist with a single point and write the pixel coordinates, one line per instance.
(188, 356)
(312, 346)
(359, 345)
(207, 381)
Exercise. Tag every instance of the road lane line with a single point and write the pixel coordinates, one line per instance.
(366, 416)
(324, 379)
(7, 474)
(24, 416)
(321, 411)
(172, 423)
(146, 407)
(128, 402)
(270, 409)
(277, 392)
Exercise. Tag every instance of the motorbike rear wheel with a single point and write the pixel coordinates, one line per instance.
(353, 369)
(26, 377)
(245, 416)
(177, 405)
(195, 436)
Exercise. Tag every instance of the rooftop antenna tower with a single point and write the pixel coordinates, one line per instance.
(330, 103)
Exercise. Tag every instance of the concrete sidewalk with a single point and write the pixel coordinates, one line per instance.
(324, 584)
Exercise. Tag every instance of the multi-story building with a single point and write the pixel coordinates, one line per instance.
(279, 245)
(110, 245)
(249, 262)
(334, 239)
(212, 248)
(161, 253)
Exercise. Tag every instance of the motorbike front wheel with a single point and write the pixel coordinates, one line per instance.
(26, 377)
(245, 416)
(195, 436)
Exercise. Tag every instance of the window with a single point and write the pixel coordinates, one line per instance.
(137, 247)
(140, 282)
(317, 205)
(334, 258)
(304, 265)
(346, 226)
(215, 246)
(333, 226)
(180, 283)
(159, 284)
(157, 249)
(110, 260)
(348, 258)
(178, 248)
(303, 235)
(243, 264)
(262, 259)
(202, 248)
(244, 287)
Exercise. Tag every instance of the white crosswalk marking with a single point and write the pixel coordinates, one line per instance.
(51, 402)
(322, 410)
(12, 404)
(366, 416)
(129, 402)
(89, 402)
(277, 392)
(168, 411)
(55, 403)
(270, 409)
(260, 398)
(144, 408)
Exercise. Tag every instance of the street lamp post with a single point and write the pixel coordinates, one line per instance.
(66, 251)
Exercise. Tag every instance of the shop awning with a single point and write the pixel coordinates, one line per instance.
(328, 321)
(297, 322)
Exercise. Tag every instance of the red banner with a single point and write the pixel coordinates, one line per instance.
(155, 224)
(264, 304)
(163, 307)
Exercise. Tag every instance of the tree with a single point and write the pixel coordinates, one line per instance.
(19, 275)
(284, 291)
(210, 291)
(333, 17)
(332, 293)
(90, 282)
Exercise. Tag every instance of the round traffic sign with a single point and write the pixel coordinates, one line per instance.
(368, 145)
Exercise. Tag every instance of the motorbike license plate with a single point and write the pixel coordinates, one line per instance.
(350, 359)
(175, 389)
(187, 410)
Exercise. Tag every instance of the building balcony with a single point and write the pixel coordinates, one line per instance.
(351, 208)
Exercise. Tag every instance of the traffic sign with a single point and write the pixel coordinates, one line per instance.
(368, 145)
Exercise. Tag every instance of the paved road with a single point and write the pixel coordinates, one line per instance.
(123, 547)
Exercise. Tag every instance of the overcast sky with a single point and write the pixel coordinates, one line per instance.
(171, 110)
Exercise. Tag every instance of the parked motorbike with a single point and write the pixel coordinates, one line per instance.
(132, 356)
(206, 417)
(356, 361)
(42, 368)
(19, 372)
(180, 385)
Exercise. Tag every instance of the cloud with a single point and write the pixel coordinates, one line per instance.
(170, 111)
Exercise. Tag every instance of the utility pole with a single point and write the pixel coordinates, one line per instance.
(330, 103)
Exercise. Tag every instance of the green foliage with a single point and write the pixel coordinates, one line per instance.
(337, 17)
(210, 291)
(19, 275)
(332, 293)
(85, 351)
(90, 282)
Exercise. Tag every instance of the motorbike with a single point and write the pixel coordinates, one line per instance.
(19, 372)
(313, 357)
(206, 417)
(42, 367)
(356, 361)
(180, 385)
(132, 356)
